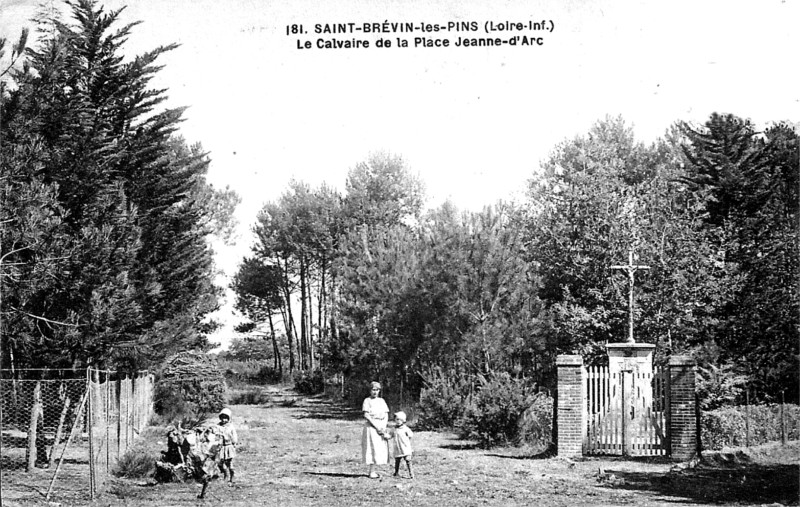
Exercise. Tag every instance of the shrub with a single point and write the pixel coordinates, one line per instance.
(250, 397)
(250, 348)
(536, 423)
(726, 427)
(309, 382)
(135, 464)
(189, 387)
(249, 372)
(492, 416)
(441, 402)
(719, 385)
(171, 406)
(268, 375)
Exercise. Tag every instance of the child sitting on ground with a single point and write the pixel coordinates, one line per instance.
(401, 444)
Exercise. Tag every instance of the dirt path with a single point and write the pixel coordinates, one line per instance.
(305, 451)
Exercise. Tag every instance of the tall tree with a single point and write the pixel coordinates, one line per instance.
(751, 179)
(259, 296)
(130, 198)
(452, 292)
(273, 248)
(475, 261)
(298, 234)
(599, 196)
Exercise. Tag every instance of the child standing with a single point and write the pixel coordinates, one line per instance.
(374, 448)
(401, 443)
(204, 456)
(228, 441)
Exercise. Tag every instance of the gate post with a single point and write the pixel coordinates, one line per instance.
(571, 415)
(682, 423)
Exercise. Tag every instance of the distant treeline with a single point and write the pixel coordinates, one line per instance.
(388, 291)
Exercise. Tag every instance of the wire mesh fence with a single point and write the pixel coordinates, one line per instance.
(62, 436)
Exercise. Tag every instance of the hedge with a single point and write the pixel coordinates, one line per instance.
(727, 427)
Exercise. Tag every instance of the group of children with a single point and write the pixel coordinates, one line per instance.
(217, 444)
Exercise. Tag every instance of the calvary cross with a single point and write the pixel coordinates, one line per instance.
(631, 268)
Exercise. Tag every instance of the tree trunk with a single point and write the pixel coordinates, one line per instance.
(288, 320)
(285, 319)
(310, 321)
(276, 350)
(321, 319)
(334, 334)
(303, 312)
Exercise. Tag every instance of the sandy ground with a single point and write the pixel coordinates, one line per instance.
(306, 451)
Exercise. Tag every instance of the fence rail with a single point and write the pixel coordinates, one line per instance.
(62, 437)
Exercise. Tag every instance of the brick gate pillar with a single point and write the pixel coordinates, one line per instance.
(682, 415)
(571, 415)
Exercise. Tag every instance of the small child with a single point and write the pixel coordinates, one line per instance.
(228, 441)
(204, 456)
(401, 443)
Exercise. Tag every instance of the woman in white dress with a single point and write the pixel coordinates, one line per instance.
(374, 445)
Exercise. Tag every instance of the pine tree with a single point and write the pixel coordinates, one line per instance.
(752, 182)
(132, 202)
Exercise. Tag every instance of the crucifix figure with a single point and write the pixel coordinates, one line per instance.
(631, 268)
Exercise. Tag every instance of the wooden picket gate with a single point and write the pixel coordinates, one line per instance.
(641, 429)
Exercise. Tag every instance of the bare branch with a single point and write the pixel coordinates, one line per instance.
(13, 252)
(44, 318)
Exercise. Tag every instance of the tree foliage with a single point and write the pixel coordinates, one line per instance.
(106, 211)
(752, 183)
(382, 190)
(712, 212)
(600, 196)
(454, 292)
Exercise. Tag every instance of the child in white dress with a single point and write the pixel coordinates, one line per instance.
(228, 441)
(401, 444)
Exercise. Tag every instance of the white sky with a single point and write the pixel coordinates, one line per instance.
(473, 122)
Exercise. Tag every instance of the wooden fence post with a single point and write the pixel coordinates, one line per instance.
(747, 417)
(92, 381)
(75, 425)
(783, 419)
(59, 431)
(32, 453)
